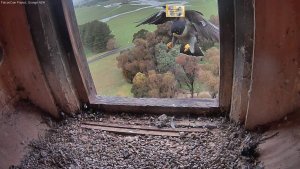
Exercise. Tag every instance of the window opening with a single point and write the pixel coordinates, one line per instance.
(131, 59)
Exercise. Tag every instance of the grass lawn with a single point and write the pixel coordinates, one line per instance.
(108, 78)
(207, 7)
(88, 14)
(123, 27)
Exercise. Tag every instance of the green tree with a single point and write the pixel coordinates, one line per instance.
(95, 35)
(165, 58)
(141, 58)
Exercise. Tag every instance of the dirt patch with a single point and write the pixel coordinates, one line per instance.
(68, 145)
(283, 150)
(18, 126)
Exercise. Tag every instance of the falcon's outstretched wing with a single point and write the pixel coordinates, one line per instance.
(156, 18)
(204, 28)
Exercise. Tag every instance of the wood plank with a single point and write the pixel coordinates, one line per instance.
(132, 131)
(147, 127)
(244, 39)
(195, 124)
(48, 36)
(226, 16)
(156, 105)
(21, 73)
(82, 76)
(275, 88)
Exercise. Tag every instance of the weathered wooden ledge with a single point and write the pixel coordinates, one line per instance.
(155, 105)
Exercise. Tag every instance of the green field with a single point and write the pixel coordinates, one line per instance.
(207, 7)
(123, 27)
(88, 14)
(108, 78)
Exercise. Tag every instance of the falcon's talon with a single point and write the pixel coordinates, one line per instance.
(186, 47)
(170, 45)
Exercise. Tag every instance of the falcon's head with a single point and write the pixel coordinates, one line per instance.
(178, 27)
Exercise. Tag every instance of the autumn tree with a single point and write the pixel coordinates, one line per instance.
(168, 85)
(161, 85)
(111, 44)
(138, 59)
(154, 85)
(188, 71)
(139, 87)
(209, 72)
(141, 34)
(163, 32)
(141, 58)
(214, 20)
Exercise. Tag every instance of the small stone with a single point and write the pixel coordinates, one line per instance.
(182, 134)
(161, 121)
(44, 154)
(211, 144)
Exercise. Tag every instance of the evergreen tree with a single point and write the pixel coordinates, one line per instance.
(165, 58)
(95, 35)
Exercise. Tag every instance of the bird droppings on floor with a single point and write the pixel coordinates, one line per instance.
(218, 144)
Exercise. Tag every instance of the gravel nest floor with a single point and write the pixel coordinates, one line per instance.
(67, 145)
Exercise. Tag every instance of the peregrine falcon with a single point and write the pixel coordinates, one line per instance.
(188, 30)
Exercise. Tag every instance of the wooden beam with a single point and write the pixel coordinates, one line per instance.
(226, 16)
(156, 105)
(21, 73)
(275, 87)
(132, 131)
(244, 39)
(198, 129)
(49, 40)
(141, 130)
(82, 76)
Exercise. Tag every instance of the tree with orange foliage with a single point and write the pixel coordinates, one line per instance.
(209, 72)
(141, 58)
(111, 44)
(188, 71)
(136, 60)
(154, 85)
(140, 87)
(214, 20)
